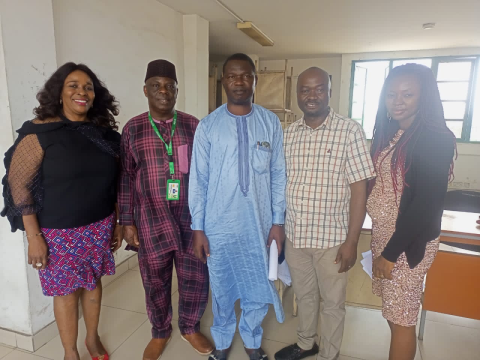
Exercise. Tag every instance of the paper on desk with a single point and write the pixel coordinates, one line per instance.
(367, 262)
(273, 262)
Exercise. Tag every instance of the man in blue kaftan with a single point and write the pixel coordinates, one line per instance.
(237, 201)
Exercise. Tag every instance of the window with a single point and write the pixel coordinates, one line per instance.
(458, 80)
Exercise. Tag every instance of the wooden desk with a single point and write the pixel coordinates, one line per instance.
(453, 282)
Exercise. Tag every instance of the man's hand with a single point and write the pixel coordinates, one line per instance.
(130, 234)
(382, 268)
(347, 255)
(277, 233)
(201, 249)
(38, 252)
(117, 238)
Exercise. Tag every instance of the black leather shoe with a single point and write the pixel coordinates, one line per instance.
(257, 354)
(219, 355)
(293, 352)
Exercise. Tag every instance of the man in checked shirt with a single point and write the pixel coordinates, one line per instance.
(328, 165)
(156, 149)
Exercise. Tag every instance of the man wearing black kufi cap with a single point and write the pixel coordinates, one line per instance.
(153, 205)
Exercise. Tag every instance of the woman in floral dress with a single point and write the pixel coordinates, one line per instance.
(413, 150)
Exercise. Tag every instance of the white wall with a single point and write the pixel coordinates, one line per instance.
(27, 57)
(117, 39)
(331, 64)
(14, 311)
(467, 166)
(195, 33)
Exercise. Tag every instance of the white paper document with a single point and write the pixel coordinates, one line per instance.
(367, 262)
(273, 262)
(284, 273)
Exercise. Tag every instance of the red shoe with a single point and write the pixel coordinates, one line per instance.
(101, 357)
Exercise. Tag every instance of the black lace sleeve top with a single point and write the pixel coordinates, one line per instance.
(64, 171)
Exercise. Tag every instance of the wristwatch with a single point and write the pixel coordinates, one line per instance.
(281, 225)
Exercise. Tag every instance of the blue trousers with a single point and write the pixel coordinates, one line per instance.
(250, 326)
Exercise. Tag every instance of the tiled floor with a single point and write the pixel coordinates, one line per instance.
(125, 331)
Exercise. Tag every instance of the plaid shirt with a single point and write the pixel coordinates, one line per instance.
(321, 165)
(163, 226)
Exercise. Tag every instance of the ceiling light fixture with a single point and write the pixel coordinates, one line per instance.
(255, 33)
(249, 28)
(428, 26)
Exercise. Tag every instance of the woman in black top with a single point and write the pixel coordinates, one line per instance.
(60, 188)
(412, 150)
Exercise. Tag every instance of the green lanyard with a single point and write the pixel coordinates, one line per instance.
(168, 146)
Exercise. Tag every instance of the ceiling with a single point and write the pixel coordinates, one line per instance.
(305, 28)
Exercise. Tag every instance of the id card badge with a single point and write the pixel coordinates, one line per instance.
(173, 189)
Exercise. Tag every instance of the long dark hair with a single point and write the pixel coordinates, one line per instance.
(103, 109)
(430, 116)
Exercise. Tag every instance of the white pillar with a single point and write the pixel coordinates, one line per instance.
(27, 59)
(196, 55)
